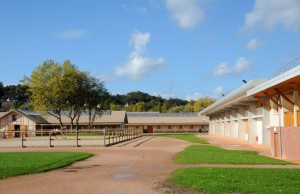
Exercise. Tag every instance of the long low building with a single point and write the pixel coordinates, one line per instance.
(154, 122)
(31, 121)
(262, 112)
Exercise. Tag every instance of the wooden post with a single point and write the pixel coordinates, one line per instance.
(296, 107)
(104, 137)
(77, 138)
(22, 139)
(108, 137)
(50, 139)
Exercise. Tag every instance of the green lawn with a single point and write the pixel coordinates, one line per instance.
(20, 163)
(186, 137)
(205, 154)
(239, 180)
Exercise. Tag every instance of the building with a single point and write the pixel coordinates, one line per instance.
(262, 112)
(155, 122)
(30, 121)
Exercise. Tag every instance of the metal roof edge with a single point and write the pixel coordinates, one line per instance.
(275, 80)
(240, 91)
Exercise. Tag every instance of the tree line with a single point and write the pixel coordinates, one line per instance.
(62, 89)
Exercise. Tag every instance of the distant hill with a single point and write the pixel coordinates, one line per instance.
(136, 101)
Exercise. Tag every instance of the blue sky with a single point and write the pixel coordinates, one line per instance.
(174, 48)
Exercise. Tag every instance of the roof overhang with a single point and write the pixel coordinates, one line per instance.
(233, 100)
(284, 82)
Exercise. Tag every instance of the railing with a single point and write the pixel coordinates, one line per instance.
(78, 138)
(113, 136)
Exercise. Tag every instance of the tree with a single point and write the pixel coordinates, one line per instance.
(202, 103)
(59, 88)
(140, 107)
(95, 98)
(47, 88)
(1, 90)
(176, 109)
(113, 106)
(165, 107)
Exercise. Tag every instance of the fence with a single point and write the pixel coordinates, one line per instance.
(50, 138)
(113, 136)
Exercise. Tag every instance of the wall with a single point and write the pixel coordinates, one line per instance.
(24, 122)
(20, 120)
(289, 144)
(171, 128)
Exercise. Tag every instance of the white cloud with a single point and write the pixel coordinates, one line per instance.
(241, 65)
(72, 34)
(134, 8)
(137, 65)
(106, 77)
(269, 14)
(188, 14)
(139, 41)
(194, 96)
(253, 45)
(218, 92)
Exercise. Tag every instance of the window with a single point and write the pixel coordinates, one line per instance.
(14, 117)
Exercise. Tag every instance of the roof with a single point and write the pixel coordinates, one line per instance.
(283, 82)
(110, 117)
(3, 113)
(235, 97)
(166, 118)
(34, 116)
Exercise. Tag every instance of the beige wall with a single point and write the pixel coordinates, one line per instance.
(20, 120)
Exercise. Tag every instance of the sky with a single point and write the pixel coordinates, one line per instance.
(184, 49)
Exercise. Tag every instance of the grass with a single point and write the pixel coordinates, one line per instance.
(21, 163)
(186, 137)
(238, 180)
(205, 154)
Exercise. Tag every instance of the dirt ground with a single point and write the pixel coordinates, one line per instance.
(139, 166)
(132, 168)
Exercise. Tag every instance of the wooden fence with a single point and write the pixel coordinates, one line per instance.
(76, 138)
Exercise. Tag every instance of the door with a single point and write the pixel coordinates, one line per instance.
(276, 145)
(17, 131)
(10, 131)
(150, 129)
(259, 129)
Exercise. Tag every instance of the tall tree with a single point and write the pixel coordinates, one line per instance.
(56, 87)
(1, 90)
(46, 85)
(95, 98)
(202, 103)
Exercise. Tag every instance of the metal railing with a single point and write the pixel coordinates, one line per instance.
(290, 65)
(51, 138)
